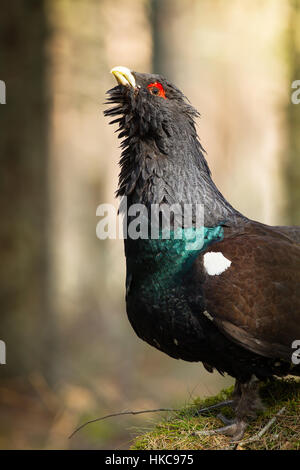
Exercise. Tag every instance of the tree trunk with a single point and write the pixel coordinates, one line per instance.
(26, 323)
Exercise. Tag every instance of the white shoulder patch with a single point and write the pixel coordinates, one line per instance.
(215, 263)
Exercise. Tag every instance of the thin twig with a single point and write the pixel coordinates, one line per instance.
(213, 407)
(119, 414)
(202, 410)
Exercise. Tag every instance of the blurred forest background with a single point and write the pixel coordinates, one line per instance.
(71, 353)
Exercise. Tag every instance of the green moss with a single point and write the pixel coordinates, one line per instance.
(177, 431)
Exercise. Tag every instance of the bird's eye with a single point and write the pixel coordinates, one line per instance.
(157, 89)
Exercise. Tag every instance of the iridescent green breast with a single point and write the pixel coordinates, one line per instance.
(160, 264)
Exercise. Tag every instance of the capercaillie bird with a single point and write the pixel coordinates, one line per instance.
(232, 300)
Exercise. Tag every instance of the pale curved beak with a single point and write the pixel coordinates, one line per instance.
(123, 76)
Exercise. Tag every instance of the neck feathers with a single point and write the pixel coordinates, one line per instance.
(172, 171)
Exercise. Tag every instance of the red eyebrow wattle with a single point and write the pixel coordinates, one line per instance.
(159, 87)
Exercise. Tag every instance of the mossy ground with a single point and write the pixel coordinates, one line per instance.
(176, 431)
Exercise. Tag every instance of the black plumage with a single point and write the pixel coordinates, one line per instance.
(233, 304)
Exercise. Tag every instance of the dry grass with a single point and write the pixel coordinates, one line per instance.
(176, 432)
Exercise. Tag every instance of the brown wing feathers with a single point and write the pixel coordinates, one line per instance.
(256, 300)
